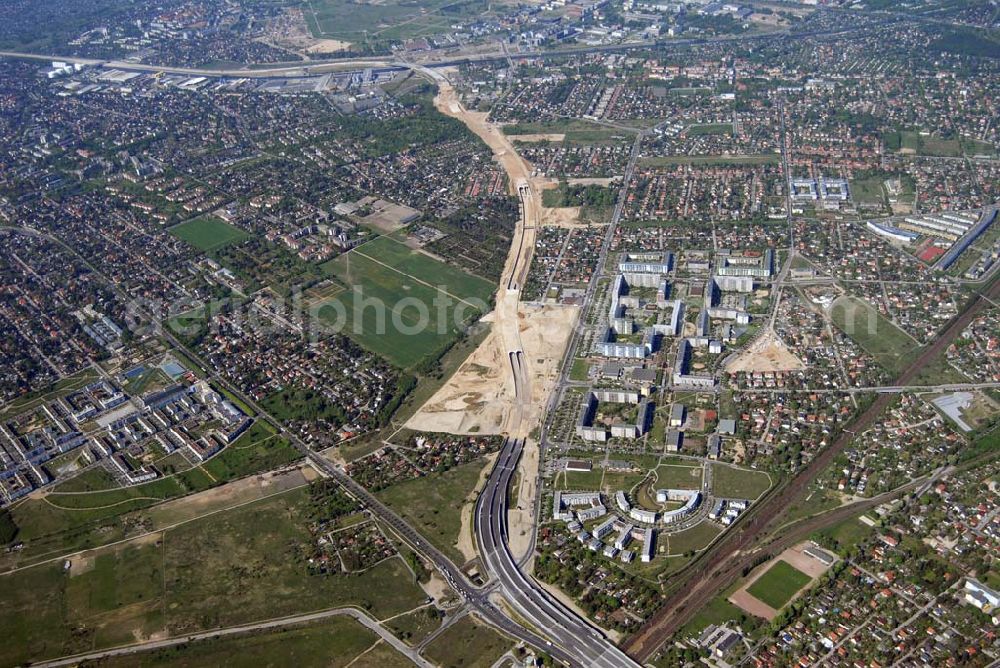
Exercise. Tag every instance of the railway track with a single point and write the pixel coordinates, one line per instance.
(718, 566)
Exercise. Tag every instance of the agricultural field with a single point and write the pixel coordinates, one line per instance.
(426, 302)
(778, 585)
(226, 569)
(208, 233)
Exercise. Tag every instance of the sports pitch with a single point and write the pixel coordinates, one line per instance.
(208, 233)
(426, 301)
(778, 585)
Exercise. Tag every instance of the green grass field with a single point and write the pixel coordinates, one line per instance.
(467, 644)
(208, 233)
(870, 190)
(939, 371)
(60, 388)
(413, 627)
(717, 611)
(148, 381)
(710, 160)
(401, 304)
(335, 641)
(891, 346)
(929, 145)
(678, 477)
(778, 585)
(393, 20)
(258, 449)
(710, 129)
(913, 142)
(580, 480)
(844, 536)
(230, 568)
(66, 521)
(736, 483)
(817, 501)
(428, 269)
(576, 131)
(432, 503)
(91, 480)
(580, 369)
(695, 538)
(614, 481)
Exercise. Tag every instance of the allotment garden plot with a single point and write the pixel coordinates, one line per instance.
(412, 327)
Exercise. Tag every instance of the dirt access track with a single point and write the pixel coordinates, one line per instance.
(483, 396)
(767, 353)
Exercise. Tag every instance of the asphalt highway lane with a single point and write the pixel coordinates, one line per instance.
(583, 644)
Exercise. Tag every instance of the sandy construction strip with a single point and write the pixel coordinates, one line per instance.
(537, 137)
(521, 515)
(563, 216)
(328, 46)
(466, 541)
(478, 398)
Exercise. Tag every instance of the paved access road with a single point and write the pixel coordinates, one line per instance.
(572, 638)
